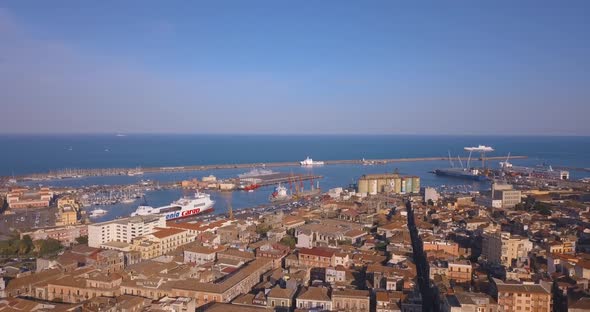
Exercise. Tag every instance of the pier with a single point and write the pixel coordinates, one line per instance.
(80, 173)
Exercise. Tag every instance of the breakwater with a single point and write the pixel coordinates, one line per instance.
(78, 173)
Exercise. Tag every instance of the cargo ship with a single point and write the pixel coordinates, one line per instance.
(466, 172)
(279, 194)
(470, 174)
(182, 208)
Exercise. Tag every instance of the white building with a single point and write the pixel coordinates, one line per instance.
(503, 247)
(123, 230)
(201, 254)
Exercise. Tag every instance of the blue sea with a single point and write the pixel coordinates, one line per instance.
(23, 154)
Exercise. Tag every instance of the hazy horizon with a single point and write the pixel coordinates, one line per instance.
(265, 67)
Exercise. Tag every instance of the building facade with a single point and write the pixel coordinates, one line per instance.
(372, 184)
(123, 230)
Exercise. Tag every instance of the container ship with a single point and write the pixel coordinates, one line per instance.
(182, 208)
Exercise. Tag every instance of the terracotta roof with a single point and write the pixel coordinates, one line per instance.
(226, 283)
(283, 293)
(351, 293)
(224, 307)
(165, 232)
(321, 252)
(522, 288)
(204, 249)
(315, 294)
(236, 253)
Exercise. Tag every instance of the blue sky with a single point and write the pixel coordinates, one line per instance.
(302, 67)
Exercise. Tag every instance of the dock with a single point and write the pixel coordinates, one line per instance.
(80, 173)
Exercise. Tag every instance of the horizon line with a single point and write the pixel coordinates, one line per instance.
(124, 134)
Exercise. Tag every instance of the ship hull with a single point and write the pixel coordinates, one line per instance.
(185, 214)
(460, 175)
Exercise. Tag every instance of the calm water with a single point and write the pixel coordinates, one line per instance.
(27, 154)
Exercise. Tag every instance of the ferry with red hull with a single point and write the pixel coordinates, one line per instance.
(182, 208)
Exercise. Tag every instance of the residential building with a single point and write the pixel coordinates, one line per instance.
(280, 299)
(388, 301)
(124, 229)
(316, 257)
(522, 297)
(504, 192)
(201, 254)
(469, 302)
(65, 234)
(372, 184)
(314, 298)
(505, 248)
(350, 300)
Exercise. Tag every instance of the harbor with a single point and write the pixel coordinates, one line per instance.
(138, 171)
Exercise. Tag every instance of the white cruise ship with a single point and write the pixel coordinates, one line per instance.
(97, 213)
(310, 162)
(182, 208)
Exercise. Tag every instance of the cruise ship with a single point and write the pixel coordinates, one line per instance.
(310, 162)
(182, 208)
(97, 213)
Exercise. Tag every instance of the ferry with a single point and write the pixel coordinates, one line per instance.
(310, 162)
(182, 208)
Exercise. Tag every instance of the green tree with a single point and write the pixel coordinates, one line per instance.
(25, 245)
(82, 240)
(49, 247)
(261, 229)
(289, 241)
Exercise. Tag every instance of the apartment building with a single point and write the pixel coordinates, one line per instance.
(522, 297)
(504, 248)
(201, 254)
(123, 230)
(316, 298)
(350, 300)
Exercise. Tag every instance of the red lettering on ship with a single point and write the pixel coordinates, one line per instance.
(190, 212)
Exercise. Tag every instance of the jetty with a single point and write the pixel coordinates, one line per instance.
(80, 173)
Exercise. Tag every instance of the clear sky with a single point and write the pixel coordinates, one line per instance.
(386, 67)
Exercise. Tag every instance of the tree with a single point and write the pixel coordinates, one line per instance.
(49, 246)
(82, 240)
(261, 229)
(289, 241)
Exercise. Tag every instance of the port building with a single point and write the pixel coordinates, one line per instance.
(20, 198)
(393, 183)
